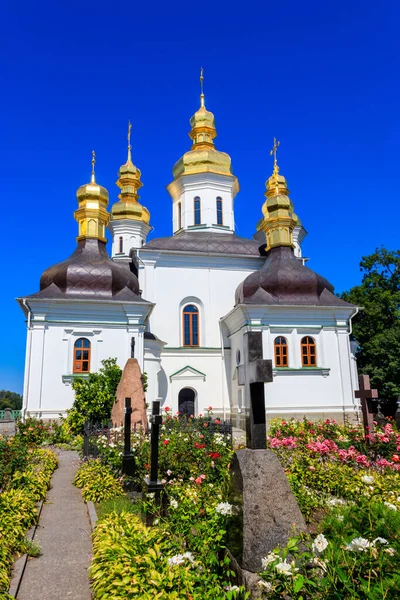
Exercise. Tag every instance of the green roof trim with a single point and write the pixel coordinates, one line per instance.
(188, 367)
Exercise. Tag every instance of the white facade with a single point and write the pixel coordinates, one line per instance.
(53, 329)
(127, 235)
(208, 188)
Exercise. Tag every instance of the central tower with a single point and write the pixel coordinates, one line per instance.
(204, 186)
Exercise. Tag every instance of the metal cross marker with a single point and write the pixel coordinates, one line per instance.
(366, 394)
(253, 374)
(153, 485)
(128, 460)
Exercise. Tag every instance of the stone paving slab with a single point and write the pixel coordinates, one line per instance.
(61, 572)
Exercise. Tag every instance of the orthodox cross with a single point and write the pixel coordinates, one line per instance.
(253, 374)
(128, 460)
(129, 141)
(201, 87)
(93, 180)
(366, 394)
(273, 153)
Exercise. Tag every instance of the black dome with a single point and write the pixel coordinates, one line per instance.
(285, 280)
(89, 273)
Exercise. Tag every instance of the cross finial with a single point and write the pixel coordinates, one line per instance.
(201, 87)
(93, 178)
(129, 141)
(273, 153)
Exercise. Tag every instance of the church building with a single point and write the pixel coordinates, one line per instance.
(181, 304)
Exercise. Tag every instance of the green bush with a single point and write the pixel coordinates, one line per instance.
(97, 482)
(94, 396)
(18, 507)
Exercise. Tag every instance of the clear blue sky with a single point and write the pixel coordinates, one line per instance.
(323, 77)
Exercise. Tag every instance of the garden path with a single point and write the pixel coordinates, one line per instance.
(63, 534)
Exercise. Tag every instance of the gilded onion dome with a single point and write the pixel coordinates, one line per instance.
(128, 206)
(92, 215)
(203, 157)
(279, 217)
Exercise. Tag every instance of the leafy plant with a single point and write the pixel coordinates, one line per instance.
(97, 482)
(94, 396)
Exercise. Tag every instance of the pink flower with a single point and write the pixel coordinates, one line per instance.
(166, 442)
(167, 409)
(199, 481)
(311, 468)
(210, 408)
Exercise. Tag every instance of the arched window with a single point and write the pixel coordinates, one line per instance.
(197, 211)
(179, 215)
(220, 219)
(190, 325)
(308, 352)
(281, 352)
(121, 245)
(82, 356)
(186, 400)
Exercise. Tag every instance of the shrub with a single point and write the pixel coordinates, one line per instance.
(97, 482)
(94, 396)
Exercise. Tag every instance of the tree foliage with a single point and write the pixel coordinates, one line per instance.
(377, 325)
(10, 400)
(94, 396)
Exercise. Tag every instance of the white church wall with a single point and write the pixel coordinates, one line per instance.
(49, 360)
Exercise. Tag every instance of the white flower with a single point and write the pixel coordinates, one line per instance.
(179, 559)
(151, 494)
(176, 560)
(317, 562)
(224, 508)
(284, 568)
(173, 503)
(367, 479)
(232, 588)
(320, 543)
(390, 551)
(270, 558)
(336, 502)
(156, 522)
(358, 545)
(391, 506)
(188, 556)
(169, 472)
(265, 584)
(340, 518)
(381, 540)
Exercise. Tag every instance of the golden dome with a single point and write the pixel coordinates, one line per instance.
(203, 157)
(279, 217)
(128, 206)
(92, 215)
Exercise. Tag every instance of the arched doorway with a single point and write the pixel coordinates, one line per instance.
(186, 402)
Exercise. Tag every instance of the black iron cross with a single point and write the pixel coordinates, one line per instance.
(128, 460)
(152, 482)
(253, 374)
(366, 394)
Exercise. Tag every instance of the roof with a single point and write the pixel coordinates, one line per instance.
(89, 274)
(209, 243)
(285, 280)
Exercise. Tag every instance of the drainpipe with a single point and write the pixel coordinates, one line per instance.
(28, 359)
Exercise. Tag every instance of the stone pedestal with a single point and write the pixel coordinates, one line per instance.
(266, 511)
(130, 386)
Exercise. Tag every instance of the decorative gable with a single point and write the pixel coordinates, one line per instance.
(186, 373)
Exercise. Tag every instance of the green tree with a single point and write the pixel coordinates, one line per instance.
(94, 396)
(10, 400)
(377, 325)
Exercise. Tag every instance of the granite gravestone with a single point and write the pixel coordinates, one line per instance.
(130, 386)
(265, 512)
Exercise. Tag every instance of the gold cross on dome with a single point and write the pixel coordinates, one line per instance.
(201, 86)
(129, 140)
(274, 150)
(93, 163)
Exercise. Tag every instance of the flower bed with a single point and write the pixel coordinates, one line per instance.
(349, 493)
(25, 477)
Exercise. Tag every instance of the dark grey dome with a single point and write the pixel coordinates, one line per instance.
(89, 273)
(285, 280)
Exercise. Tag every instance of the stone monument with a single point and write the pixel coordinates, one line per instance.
(130, 386)
(265, 511)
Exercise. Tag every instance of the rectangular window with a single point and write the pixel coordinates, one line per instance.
(220, 220)
(197, 211)
(179, 215)
(186, 327)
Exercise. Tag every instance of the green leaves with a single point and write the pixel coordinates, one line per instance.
(94, 396)
(377, 326)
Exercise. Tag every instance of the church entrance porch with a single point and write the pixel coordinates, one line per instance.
(186, 402)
